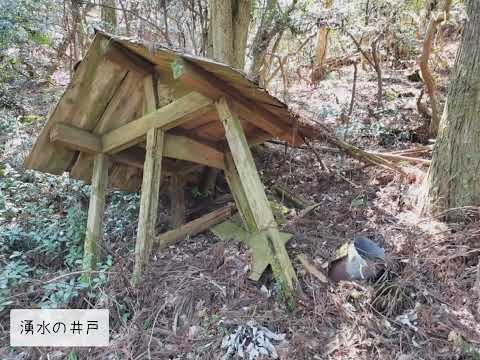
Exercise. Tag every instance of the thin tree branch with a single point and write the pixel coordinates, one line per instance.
(149, 22)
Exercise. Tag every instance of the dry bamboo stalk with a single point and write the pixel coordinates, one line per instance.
(396, 157)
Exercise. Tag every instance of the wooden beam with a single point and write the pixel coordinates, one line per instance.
(257, 138)
(75, 138)
(182, 110)
(257, 200)
(184, 148)
(194, 227)
(209, 85)
(149, 200)
(176, 147)
(186, 167)
(96, 208)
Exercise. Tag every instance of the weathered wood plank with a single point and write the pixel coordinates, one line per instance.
(194, 227)
(256, 198)
(150, 94)
(94, 235)
(93, 85)
(245, 166)
(124, 104)
(208, 84)
(149, 200)
(177, 200)
(183, 148)
(238, 192)
(128, 59)
(121, 109)
(152, 175)
(176, 147)
(182, 110)
(75, 138)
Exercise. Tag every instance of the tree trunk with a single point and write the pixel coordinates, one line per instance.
(453, 179)
(322, 44)
(77, 31)
(262, 38)
(322, 40)
(165, 22)
(229, 21)
(425, 69)
(227, 41)
(209, 47)
(109, 15)
(241, 22)
(222, 35)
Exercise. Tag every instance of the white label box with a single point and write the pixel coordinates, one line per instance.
(59, 327)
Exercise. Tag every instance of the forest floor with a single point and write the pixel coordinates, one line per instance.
(195, 293)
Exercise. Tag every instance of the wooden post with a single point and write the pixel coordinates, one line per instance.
(149, 200)
(94, 235)
(257, 199)
(177, 200)
(152, 171)
(235, 185)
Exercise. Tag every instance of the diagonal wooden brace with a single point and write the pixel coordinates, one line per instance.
(256, 199)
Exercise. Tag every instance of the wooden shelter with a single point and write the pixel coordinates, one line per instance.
(134, 112)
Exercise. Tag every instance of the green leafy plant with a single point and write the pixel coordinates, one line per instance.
(197, 194)
(12, 274)
(59, 294)
(20, 22)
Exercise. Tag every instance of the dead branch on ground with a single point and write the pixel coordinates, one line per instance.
(311, 269)
(319, 132)
(398, 158)
(290, 198)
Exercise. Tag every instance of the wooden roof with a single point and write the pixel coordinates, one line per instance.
(107, 92)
